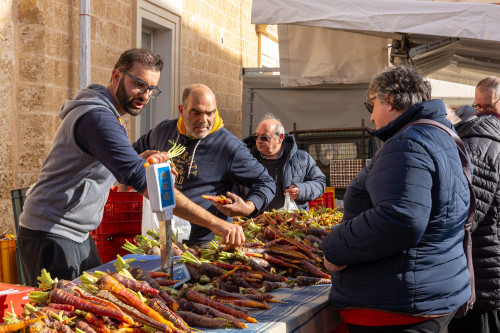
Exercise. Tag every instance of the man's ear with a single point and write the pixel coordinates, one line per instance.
(181, 109)
(282, 137)
(116, 74)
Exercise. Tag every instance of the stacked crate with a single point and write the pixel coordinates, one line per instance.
(342, 172)
(121, 221)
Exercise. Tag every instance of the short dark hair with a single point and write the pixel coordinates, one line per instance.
(407, 86)
(142, 56)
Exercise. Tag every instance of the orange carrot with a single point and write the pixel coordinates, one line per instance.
(218, 199)
(18, 326)
(111, 284)
(158, 274)
(134, 313)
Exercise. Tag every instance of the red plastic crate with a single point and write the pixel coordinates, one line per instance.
(109, 246)
(327, 200)
(122, 214)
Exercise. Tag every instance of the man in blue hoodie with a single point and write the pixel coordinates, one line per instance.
(91, 150)
(213, 162)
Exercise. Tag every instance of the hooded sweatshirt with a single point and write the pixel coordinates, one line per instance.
(210, 166)
(73, 186)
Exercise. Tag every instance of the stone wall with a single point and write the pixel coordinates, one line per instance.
(206, 60)
(39, 69)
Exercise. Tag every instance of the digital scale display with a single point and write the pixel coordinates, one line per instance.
(161, 188)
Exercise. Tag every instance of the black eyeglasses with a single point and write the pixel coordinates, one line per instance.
(369, 105)
(262, 137)
(486, 106)
(141, 87)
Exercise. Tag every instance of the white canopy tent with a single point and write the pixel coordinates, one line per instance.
(452, 41)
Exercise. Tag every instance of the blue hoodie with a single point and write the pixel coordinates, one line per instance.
(90, 150)
(210, 166)
(402, 233)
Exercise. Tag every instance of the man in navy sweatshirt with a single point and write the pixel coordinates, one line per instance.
(91, 150)
(214, 161)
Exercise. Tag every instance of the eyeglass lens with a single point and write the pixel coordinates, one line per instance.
(369, 104)
(141, 87)
(484, 107)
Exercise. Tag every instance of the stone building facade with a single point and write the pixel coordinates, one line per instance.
(206, 41)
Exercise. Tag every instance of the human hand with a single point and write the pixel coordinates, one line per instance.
(231, 234)
(293, 191)
(332, 267)
(239, 207)
(157, 157)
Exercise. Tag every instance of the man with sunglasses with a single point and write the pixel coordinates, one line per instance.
(294, 171)
(214, 161)
(91, 150)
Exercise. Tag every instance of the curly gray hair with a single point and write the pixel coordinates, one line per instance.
(405, 84)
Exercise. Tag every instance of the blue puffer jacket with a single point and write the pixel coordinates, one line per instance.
(300, 169)
(403, 225)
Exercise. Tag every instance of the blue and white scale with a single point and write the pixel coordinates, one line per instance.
(160, 180)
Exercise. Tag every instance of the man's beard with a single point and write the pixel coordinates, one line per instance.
(125, 102)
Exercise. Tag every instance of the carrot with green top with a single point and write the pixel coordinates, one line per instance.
(19, 326)
(134, 285)
(141, 275)
(111, 284)
(199, 298)
(132, 312)
(61, 296)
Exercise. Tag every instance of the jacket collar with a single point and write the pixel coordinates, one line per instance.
(433, 109)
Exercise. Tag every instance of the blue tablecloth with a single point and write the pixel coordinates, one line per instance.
(304, 309)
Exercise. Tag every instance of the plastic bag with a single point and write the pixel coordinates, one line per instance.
(180, 228)
(289, 204)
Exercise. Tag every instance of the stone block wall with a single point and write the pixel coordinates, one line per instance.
(39, 70)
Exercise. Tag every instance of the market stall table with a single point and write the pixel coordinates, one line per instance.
(304, 309)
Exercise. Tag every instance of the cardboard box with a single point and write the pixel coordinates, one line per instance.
(17, 294)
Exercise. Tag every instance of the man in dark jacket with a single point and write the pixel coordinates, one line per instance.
(294, 171)
(213, 162)
(397, 259)
(480, 133)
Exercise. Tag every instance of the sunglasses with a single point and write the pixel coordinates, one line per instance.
(369, 105)
(263, 138)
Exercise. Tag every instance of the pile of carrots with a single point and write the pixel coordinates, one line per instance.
(283, 249)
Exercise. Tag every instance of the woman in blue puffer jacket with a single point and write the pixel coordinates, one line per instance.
(397, 258)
